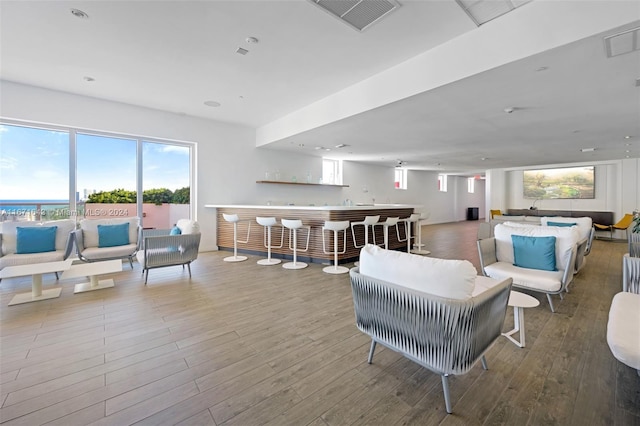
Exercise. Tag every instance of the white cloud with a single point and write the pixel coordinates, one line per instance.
(8, 163)
(175, 148)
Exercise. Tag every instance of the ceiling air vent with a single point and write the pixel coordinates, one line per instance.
(621, 43)
(358, 14)
(483, 11)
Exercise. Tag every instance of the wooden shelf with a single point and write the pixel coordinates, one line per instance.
(280, 182)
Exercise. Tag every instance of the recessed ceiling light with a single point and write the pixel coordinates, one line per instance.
(252, 40)
(212, 104)
(484, 158)
(87, 78)
(341, 145)
(319, 148)
(79, 14)
(627, 137)
(588, 149)
(301, 145)
(242, 51)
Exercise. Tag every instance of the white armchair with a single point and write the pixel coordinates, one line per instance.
(169, 247)
(107, 239)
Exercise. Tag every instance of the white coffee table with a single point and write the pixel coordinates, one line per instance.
(519, 301)
(36, 270)
(92, 270)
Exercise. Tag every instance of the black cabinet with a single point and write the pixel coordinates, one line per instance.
(472, 213)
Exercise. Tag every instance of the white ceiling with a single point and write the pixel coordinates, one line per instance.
(175, 55)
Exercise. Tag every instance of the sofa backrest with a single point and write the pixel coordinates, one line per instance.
(584, 223)
(453, 279)
(9, 232)
(566, 240)
(90, 229)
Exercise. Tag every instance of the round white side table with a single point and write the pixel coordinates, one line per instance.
(519, 301)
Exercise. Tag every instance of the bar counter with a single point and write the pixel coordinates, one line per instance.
(313, 216)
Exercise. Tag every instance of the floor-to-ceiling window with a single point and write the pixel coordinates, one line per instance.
(52, 173)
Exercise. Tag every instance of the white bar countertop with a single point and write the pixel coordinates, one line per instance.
(321, 208)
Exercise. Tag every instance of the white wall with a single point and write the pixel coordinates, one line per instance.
(228, 162)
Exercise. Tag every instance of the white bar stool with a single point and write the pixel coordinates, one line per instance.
(293, 225)
(267, 223)
(418, 246)
(336, 227)
(369, 221)
(408, 221)
(391, 221)
(233, 218)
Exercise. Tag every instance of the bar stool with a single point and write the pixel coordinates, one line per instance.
(418, 246)
(293, 225)
(369, 221)
(408, 221)
(336, 227)
(233, 218)
(267, 223)
(391, 221)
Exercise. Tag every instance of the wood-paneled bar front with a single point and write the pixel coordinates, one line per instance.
(314, 216)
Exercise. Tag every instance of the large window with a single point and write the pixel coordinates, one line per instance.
(400, 181)
(442, 183)
(57, 172)
(331, 171)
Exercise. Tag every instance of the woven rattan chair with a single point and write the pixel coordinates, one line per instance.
(160, 249)
(447, 336)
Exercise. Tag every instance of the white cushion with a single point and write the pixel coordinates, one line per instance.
(453, 279)
(188, 226)
(566, 239)
(622, 330)
(483, 284)
(29, 258)
(97, 253)
(9, 233)
(90, 229)
(584, 223)
(535, 279)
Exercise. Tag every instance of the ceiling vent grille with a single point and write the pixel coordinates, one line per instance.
(358, 14)
(621, 43)
(482, 11)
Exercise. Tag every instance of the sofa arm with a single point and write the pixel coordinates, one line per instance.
(567, 276)
(487, 253)
(78, 241)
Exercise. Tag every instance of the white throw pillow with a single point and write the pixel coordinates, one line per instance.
(584, 223)
(188, 226)
(453, 279)
(566, 239)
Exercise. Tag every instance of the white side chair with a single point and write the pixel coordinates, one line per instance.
(388, 223)
(293, 225)
(233, 218)
(336, 227)
(408, 223)
(418, 247)
(268, 223)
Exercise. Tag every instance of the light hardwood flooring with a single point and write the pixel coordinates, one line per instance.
(243, 344)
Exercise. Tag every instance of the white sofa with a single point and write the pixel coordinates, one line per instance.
(438, 313)
(90, 248)
(497, 258)
(9, 240)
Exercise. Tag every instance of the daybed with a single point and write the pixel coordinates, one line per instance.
(541, 265)
(106, 239)
(169, 247)
(28, 242)
(436, 312)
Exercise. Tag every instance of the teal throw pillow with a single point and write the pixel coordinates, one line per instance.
(175, 231)
(534, 252)
(35, 239)
(113, 235)
(561, 224)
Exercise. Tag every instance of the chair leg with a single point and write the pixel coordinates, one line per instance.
(146, 275)
(373, 348)
(550, 303)
(57, 277)
(484, 363)
(189, 268)
(445, 389)
(131, 262)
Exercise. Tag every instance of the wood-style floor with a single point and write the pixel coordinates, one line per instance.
(244, 344)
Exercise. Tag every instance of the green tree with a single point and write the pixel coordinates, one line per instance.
(181, 196)
(112, 197)
(157, 196)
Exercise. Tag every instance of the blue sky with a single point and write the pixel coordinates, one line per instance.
(34, 164)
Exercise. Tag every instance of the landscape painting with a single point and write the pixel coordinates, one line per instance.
(564, 183)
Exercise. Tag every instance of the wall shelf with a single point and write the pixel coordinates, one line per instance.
(280, 182)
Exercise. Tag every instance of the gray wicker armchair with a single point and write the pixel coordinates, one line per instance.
(160, 249)
(447, 336)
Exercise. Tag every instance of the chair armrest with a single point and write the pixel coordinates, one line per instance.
(567, 277)
(487, 252)
(1, 254)
(78, 240)
(69, 246)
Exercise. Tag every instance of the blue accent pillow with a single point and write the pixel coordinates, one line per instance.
(35, 239)
(534, 252)
(561, 224)
(113, 235)
(175, 231)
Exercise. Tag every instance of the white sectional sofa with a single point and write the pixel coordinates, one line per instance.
(38, 248)
(538, 265)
